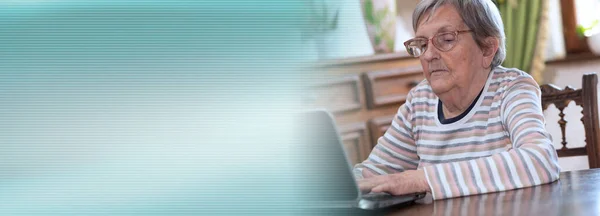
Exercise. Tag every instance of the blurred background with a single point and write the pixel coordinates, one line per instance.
(362, 50)
(148, 107)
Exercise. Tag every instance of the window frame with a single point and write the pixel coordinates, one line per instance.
(573, 43)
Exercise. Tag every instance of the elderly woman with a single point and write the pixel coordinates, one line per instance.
(471, 126)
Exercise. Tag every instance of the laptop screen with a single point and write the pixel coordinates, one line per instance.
(323, 169)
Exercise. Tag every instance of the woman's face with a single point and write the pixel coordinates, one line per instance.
(456, 67)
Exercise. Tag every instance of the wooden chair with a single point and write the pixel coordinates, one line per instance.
(587, 98)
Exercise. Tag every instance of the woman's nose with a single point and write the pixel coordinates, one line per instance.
(431, 53)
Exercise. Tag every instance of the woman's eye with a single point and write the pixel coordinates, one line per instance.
(448, 39)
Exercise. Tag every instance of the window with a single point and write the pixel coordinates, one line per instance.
(587, 13)
(574, 13)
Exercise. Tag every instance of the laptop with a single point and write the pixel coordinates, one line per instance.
(327, 179)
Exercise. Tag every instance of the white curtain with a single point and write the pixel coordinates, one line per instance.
(555, 45)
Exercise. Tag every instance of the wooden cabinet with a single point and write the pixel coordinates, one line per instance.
(364, 95)
(356, 141)
(389, 87)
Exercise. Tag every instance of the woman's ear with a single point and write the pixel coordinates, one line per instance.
(489, 51)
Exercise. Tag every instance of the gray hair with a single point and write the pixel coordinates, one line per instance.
(481, 16)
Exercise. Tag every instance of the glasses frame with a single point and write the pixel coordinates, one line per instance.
(430, 40)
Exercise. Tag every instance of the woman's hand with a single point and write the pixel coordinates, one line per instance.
(409, 181)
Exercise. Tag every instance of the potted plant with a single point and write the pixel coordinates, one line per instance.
(380, 21)
(592, 33)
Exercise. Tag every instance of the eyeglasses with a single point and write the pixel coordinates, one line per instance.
(444, 42)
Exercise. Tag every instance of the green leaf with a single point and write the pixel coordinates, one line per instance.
(377, 39)
(584, 31)
(369, 11)
(580, 31)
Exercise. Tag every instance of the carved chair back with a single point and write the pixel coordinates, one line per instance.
(587, 98)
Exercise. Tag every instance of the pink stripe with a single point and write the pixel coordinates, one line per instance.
(468, 148)
(541, 170)
(451, 180)
(471, 186)
(392, 160)
(520, 166)
(466, 134)
(433, 180)
(398, 150)
(400, 137)
(484, 172)
(504, 174)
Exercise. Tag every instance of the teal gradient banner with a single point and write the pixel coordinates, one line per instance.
(149, 107)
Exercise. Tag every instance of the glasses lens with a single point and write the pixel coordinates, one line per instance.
(445, 41)
(416, 47)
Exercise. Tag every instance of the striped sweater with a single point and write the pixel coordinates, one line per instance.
(501, 143)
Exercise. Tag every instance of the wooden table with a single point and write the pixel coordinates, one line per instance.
(575, 193)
